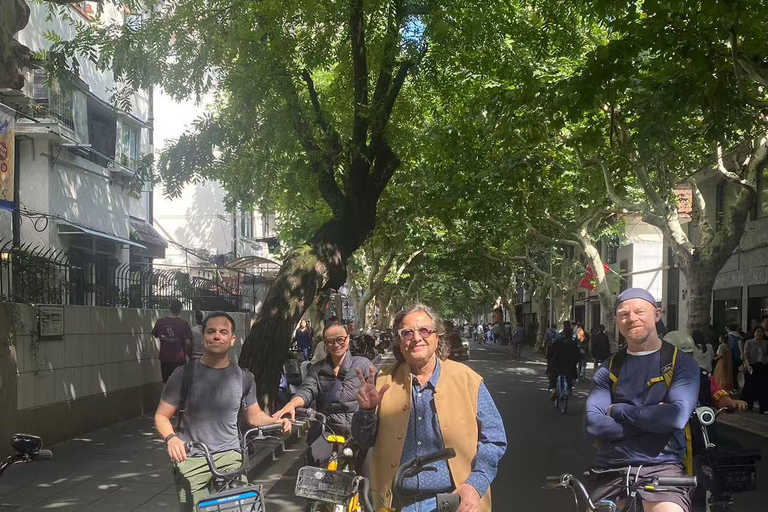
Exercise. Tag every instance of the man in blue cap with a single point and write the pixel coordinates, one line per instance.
(640, 403)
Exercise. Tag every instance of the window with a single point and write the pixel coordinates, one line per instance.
(130, 142)
(85, 9)
(102, 132)
(54, 102)
(268, 224)
(246, 224)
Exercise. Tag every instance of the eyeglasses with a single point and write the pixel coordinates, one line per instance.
(336, 341)
(407, 334)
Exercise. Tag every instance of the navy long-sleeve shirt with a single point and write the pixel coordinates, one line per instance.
(424, 437)
(642, 425)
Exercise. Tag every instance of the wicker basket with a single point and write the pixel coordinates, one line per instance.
(320, 484)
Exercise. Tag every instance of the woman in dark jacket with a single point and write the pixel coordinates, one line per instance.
(333, 385)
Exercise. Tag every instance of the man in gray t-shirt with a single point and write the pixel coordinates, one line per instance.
(213, 405)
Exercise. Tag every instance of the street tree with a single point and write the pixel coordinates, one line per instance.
(308, 105)
(677, 95)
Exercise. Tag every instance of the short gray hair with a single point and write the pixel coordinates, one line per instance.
(443, 347)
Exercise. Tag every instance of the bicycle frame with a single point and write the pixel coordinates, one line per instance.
(27, 448)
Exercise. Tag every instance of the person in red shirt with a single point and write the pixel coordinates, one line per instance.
(175, 337)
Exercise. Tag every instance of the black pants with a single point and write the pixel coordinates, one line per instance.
(166, 369)
(756, 386)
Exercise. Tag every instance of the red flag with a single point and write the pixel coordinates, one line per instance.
(589, 282)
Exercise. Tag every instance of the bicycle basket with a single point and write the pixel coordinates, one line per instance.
(729, 471)
(324, 485)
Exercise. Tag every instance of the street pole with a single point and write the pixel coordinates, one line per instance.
(16, 214)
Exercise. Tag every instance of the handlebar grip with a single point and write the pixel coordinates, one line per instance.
(677, 481)
(272, 427)
(305, 411)
(553, 480)
(446, 454)
(44, 455)
(448, 502)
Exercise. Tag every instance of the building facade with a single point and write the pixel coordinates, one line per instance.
(79, 194)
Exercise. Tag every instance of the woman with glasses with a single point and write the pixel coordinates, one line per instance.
(333, 385)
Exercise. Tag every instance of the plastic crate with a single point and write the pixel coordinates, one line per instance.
(320, 484)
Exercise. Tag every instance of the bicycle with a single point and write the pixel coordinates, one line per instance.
(231, 490)
(446, 502)
(335, 487)
(27, 448)
(563, 393)
(567, 481)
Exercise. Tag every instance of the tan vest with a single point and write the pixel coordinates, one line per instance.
(456, 405)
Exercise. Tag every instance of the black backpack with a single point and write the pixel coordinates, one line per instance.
(186, 385)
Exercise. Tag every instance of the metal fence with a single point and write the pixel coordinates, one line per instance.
(39, 275)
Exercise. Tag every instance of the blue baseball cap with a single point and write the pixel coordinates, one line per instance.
(635, 293)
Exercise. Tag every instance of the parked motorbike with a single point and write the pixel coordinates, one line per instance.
(27, 448)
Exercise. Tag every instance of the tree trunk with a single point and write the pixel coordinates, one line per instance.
(701, 281)
(509, 307)
(305, 271)
(606, 296)
(542, 312)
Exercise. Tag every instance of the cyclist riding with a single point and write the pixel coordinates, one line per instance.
(563, 359)
(641, 401)
(333, 385)
(209, 394)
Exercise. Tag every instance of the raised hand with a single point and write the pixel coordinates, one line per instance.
(368, 397)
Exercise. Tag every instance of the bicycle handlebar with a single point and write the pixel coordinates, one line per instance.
(446, 454)
(568, 481)
(676, 481)
(43, 455)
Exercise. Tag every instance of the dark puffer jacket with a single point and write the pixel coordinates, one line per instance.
(334, 396)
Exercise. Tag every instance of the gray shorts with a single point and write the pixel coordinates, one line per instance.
(610, 485)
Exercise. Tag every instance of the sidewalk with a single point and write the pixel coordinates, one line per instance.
(120, 468)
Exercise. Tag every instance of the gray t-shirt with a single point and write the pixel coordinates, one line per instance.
(213, 405)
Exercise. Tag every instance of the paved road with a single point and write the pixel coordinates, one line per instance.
(542, 442)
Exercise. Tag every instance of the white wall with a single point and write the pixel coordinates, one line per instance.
(103, 350)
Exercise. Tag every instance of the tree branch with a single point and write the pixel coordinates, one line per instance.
(359, 74)
(730, 175)
(753, 70)
(702, 215)
(314, 99)
(407, 262)
(549, 240)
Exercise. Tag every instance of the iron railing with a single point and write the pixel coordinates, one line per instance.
(39, 275)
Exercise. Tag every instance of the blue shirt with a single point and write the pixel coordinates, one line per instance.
(424, 437)
(640, 425)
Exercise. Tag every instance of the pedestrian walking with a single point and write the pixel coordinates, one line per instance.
(196, 351)
(736, 344)
(302, 338)
(175, 338)
(756, 371)
(724, 365)
(601, 346)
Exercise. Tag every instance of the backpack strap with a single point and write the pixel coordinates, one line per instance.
(186, 385)
(614, 367)
(666, 365)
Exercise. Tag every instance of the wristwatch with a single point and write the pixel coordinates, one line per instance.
(169, 437)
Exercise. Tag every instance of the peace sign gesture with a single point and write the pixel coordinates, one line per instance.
(368, 397)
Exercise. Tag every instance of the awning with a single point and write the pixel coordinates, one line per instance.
(145, 233)
(70, 228)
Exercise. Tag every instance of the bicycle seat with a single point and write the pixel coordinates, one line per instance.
(26, 444)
